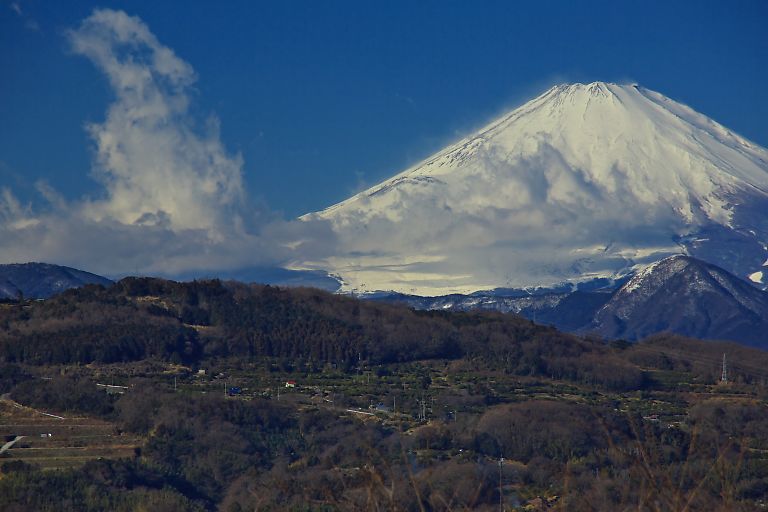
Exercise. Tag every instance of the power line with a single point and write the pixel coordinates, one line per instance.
(715, 362)
(693, 357)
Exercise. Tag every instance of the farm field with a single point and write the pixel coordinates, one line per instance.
(51, 441)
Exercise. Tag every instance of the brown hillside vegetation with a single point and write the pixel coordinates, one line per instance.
(387, 408)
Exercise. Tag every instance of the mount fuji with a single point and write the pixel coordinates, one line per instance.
(585, 182)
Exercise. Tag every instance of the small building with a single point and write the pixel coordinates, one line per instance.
(290, 383)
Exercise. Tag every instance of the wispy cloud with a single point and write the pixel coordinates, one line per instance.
(29, 22)
(173, 198)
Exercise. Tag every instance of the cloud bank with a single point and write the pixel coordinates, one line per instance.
(173, 199)
(501, 222)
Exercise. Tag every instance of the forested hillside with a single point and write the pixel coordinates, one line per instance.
(156, 395)
(190, 322)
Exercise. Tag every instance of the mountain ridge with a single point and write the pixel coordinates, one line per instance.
(35, 280)
(678, 294)
(688, 297)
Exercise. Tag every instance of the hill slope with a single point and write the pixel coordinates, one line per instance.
(139, 319)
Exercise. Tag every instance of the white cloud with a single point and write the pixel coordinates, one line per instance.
(173, 199)
(12, 213)
(149, 155)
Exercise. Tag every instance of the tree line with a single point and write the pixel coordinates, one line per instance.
(142, 318)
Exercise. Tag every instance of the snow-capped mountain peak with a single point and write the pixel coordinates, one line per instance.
(584, 181)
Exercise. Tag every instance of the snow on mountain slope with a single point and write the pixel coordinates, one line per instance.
(701, 278)
(686, 296)
(584, 181)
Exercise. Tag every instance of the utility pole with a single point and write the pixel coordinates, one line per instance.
(422, 408)
(501, 494)
(724, 376)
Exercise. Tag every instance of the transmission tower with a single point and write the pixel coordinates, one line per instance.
(724, 376)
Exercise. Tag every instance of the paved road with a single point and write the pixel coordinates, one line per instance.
(7, 446)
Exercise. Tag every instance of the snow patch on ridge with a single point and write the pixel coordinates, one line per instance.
(671, 265)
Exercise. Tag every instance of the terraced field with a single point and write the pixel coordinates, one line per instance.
(53, 441)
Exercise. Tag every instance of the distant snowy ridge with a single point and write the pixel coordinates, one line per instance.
(687, 296)
(678, 294)
(585, 181)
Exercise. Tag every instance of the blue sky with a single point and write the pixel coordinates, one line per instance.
(324, 97)
(315, 100)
